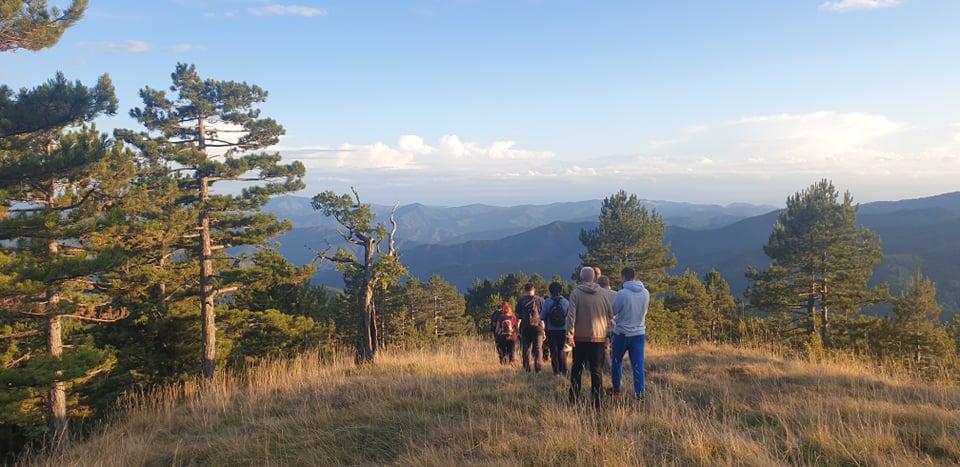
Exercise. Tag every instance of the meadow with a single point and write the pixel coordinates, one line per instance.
(455, 405)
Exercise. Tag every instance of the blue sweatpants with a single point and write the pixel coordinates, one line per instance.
(622, 345)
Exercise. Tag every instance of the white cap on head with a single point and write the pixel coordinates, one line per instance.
(587, 274)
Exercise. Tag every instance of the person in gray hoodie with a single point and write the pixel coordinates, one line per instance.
(629, 332)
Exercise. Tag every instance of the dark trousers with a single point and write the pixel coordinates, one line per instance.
(531, 341)
(558, 359)
(505, 349)
(587, 353)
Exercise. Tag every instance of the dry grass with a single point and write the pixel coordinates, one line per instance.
(706, 405)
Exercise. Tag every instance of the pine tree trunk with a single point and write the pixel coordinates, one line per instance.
(366, 343)
(57, 403)
(207, 317)
(57, 398)
(812, 316)
(824, 324)
(365, 346)
(824, 313)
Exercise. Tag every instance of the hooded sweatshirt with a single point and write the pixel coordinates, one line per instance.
(590, 313)
(630, 309)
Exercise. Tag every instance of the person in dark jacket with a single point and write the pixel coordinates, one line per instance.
(505, 328)
(554, 316)
(531, 328)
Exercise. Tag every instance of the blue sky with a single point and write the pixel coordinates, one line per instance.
(516, 101)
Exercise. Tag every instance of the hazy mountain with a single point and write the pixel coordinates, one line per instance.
(923, 238)
(448, 225)
(917, 234)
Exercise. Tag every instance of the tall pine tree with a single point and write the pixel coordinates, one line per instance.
(59, 192)
(628, 235)
(821, 261)
(206, 132)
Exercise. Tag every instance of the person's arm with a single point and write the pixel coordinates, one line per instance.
(571, 319)
(617, 305)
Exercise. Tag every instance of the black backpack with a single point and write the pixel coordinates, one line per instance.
(556, 316)
(528, 310)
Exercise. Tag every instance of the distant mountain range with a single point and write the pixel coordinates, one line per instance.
(465, 243)
(449, 225)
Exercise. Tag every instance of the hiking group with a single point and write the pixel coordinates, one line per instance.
(594, 324)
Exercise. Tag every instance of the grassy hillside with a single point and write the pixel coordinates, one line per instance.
(706, 405)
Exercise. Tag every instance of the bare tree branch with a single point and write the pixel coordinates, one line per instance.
(391, 241)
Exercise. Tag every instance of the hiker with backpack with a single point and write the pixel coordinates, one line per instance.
(531, 328)
(554, 315)
(629, 333)
(505, 326)
(587, 322)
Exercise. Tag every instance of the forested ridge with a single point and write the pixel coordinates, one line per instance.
(143, 260)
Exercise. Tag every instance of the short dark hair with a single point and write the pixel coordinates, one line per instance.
(555, 288)
(628, 273)
(528, 287)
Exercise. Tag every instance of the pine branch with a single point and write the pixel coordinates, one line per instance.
(122, 315)
(20, 334)
(224, 291)
(14, 362)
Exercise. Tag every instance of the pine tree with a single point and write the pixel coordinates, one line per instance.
(689, 301)
(447, 308)
(628, 235)
(60, 190)
(368, 275)
(31, 25)
(724, 306)
(821, 261)
(56, 104)
(203, 133)
(915, 323)
(271, 283)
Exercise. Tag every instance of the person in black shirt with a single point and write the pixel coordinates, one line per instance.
(531, 328)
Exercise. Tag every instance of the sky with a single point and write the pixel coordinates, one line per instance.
(452, 102)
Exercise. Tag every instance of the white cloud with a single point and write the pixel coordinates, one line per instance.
(284, 10)
(412, 152)
(136, 47)
(182, 48)
(843, 6)
(814, 143)
(130, 46)
(759, 159)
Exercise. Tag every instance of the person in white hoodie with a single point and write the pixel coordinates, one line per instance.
(629, 332)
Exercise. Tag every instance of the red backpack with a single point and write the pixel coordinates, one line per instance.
(506, 327)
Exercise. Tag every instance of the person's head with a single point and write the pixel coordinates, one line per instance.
(604, 282)
(505, 308)
(555, 288)
(628, 274)
(597, 273)
(529, 289)
(587, 275)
